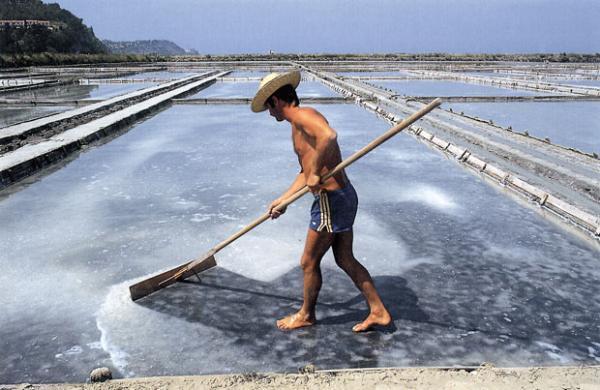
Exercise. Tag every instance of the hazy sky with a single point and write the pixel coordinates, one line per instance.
(353, 26)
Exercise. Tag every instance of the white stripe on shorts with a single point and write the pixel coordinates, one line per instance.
(325, 213)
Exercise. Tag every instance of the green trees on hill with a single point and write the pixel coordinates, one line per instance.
(67, 34)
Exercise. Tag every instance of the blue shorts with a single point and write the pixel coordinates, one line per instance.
(334, 211)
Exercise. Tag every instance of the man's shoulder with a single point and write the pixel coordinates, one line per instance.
(308, 110)
(310, 114)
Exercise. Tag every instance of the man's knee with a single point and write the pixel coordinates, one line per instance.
(309, 263)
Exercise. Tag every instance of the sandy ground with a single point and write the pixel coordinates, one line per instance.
(482, 378)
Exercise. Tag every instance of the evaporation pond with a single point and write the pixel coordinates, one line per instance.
(568, 123)
(106, 91)
(582, 83)
(448, 88)
(71, 92)
(397, 73)
(161, 75)
(468, 274)
(10, 115)
(249, 73)
(247, 89)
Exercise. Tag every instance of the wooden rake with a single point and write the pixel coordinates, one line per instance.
(207, 261)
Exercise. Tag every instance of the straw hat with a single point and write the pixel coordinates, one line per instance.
(271, 83)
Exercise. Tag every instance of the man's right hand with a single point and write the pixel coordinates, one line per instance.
(276, 213)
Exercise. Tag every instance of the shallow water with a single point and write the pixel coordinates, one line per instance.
(106, 91)
(500, 74)
(77, 92)
(573, 124)
(314, 89)
(468, 274)
(448, 88)
(542, 77)
(247, 73)
(10, 115)
(374, 74)
(248, 90)
(167, 75)
(587, 83)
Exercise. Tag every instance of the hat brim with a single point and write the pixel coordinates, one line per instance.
(264, 92)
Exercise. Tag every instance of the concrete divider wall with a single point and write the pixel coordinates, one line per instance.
(580, 218)
(31, 158)
(584, 220)
(22, 87)
(126, 81)
(28, 127)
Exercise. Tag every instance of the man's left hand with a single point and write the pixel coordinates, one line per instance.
(314, 183)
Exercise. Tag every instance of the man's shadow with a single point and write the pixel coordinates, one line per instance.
(227, 301)
(245, 310)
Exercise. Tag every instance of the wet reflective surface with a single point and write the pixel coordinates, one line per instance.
(469, 274)
(106, 91)
(247, 73)
(76, 92)
(248, 90)
(573, 124)
(374, 74)
(531, 76)
(448, 88)
(167, 75)
(227, 90)
(583, 83)
(10, 115)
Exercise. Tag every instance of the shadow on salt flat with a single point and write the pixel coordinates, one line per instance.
(484, 307)
(245, 310)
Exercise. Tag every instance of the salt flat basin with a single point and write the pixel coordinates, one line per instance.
(469, 274)
(570, 123)
(248, 90)
(448, 88)
(106, 91)
(589, 83)
(167, 75)
(10, 115)
(13, 114)
(247, 73)
(76, 92)
(397, 73)
(530, 76)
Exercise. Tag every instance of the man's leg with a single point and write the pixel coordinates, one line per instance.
(317, 244)
(344, 257)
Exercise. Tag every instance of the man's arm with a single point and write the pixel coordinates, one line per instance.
(298, 183)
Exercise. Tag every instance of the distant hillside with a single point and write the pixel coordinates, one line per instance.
(155, 46)
(30, 26)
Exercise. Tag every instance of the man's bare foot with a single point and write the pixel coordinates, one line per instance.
(295, 321)
(382, 318)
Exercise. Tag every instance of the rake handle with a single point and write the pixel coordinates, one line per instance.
(360, 153)
(301, 192)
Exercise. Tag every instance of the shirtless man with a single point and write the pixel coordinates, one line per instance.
(335, 205)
